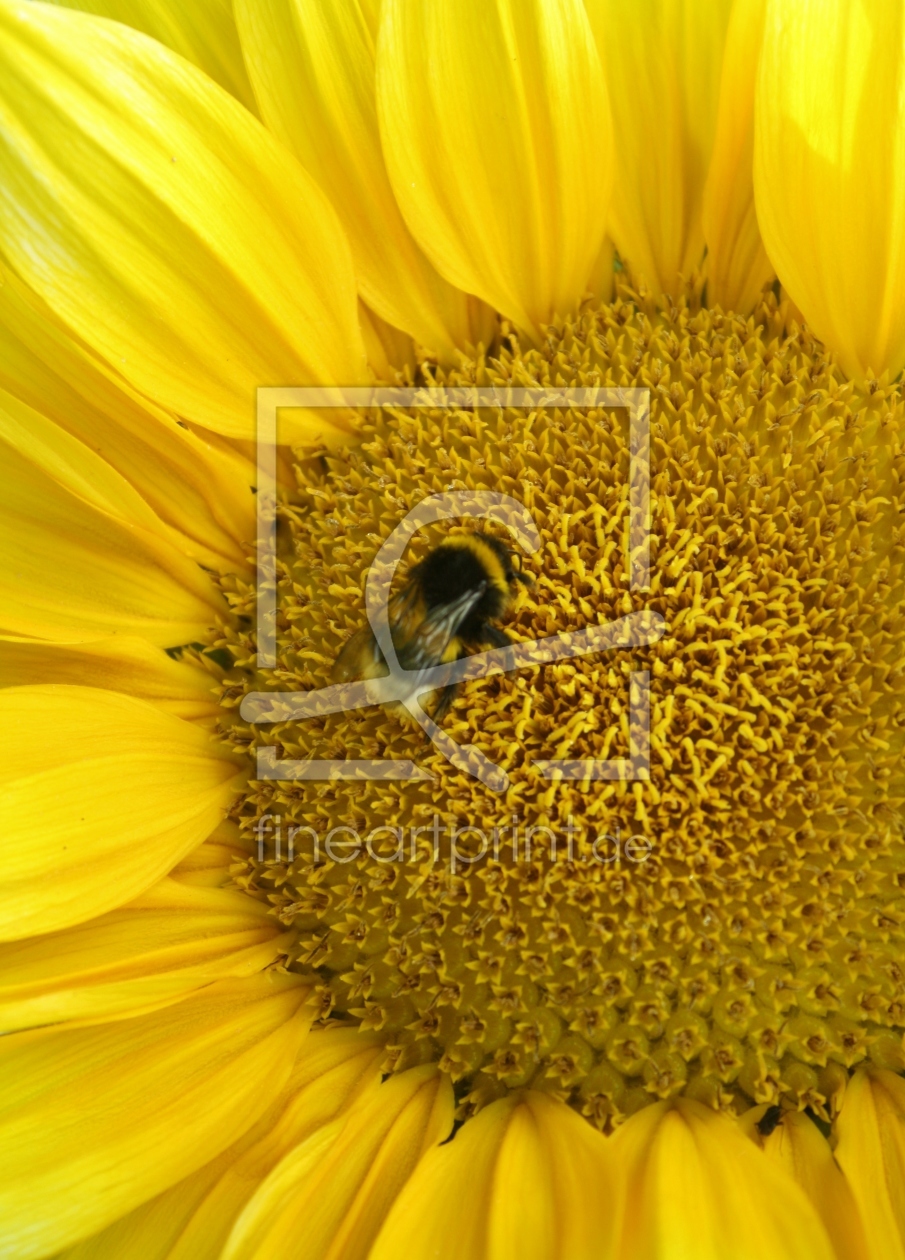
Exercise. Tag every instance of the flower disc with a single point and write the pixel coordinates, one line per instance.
(729, 928)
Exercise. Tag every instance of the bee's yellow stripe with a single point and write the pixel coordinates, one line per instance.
(489, 560)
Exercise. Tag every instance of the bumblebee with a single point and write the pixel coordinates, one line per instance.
(443, 612)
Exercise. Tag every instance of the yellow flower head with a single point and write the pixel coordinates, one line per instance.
(640, 1017)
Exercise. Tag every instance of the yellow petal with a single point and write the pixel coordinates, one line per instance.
(526, 1177)
(737, 263)
(97, 1120)
(192, 1220)
(204, 865)
(387, 348)
(164, 224)
(483, 322)
(203, 492)
(694, 1186)
(871, 1153)
(829, 172)
(557, 1157)
(663, 60)
(101, 795)
(203, 31)
(335, 1188)
(602, 280)
(798, 1146)
(312, 66)
(132, 666)
(151, 1231)
(81, 554)
(496, 131)
(334, 1068)
(171, 940)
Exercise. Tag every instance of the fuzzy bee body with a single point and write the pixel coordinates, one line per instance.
(443, 612)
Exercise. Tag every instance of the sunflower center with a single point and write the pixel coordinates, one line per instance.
(730, 927)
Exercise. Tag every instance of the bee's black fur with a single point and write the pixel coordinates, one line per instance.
(448, 572)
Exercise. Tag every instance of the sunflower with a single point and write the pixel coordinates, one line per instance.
(683, 1034)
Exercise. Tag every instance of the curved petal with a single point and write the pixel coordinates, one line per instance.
(525, 1177)
(387, 348)
(695, 1186)
(799, 1147)
(171, 940)
(496, 131)
(81, 554)
(132, 666)
(203, 31)
(96, 1120)
(829, 172)
(192, 1220)
(124, 791)
(312, 66)
(663, 60)
(203, 492)
(737, 263)
(335, 1188)
(871, 1153)
(164, 224)
(204, 865)
(116, 664)
(602, 280)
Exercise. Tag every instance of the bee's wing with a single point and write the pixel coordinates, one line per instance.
(404, 612)
(434, 633)
(362, 654)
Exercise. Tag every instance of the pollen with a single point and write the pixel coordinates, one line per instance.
(731, 927)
